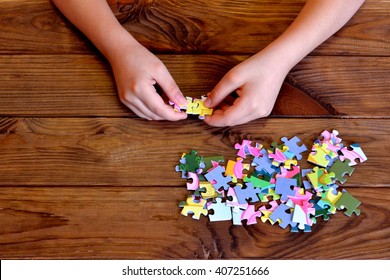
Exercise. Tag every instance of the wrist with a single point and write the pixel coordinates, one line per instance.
(116, 43)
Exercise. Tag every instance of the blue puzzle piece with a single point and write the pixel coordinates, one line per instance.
(281, 213)
(248, 192)
(222, 212)
(263, 162)
(217, 178)
(285, 187)
(293, 146)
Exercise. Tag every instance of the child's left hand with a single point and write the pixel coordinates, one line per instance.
(257, 82)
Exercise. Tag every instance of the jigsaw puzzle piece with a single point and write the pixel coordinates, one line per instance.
(247, 192)
(320, 179)
(263, 185)
(293, 146)
(211, 162)
(180, 107)
(232, 200)
(197, 107)
(301, 216)
(301, 197)
(353, 155)
(250, 215)
(246, 149)
(194, 185)
(280, 156)
(221, 212)
(263, 163)
(236, 168)
(283, 215)
(288, 173)
(285, 187)
(330, 137)
(349, 202)
(236, 216)
(217, 179)
(340, 169)
(320, 155)
(190, 163)
(193, 206)
(266, 212)
(208, 191)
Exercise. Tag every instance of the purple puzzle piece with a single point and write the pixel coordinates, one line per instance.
(293, 146)
(247, 192)
(285, 187)
(281, 213)
(263, 162)
(216, 177)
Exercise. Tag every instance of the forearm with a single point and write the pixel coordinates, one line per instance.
(318, 20)
(95, 19)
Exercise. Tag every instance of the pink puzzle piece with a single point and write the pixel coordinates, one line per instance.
(245, 149)
(250, 215)
(236, 168)
(194, 185)
(356, 153)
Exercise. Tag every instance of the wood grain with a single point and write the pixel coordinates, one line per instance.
(83, 85)
(81, 177)
(145, 223)
(239, 27)
(128, 152)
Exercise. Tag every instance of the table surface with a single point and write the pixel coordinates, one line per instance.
(81, 177)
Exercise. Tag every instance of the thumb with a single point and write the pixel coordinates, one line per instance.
(226, 86)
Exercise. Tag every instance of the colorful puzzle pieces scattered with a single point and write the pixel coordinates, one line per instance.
(193, 106)
(269, 184)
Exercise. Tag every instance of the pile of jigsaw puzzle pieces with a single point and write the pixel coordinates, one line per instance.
(193, 106)
(269, 184)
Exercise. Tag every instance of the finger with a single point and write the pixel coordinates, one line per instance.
(224, 88)
(154, 106)
(169, 86)
(230, 116)
(163, 111)
(137, 111)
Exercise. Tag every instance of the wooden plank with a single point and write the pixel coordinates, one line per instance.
(190, 26)
(115, 223)
(82, 85)
(133, 152)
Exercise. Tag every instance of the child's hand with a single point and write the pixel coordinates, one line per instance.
(257, 82)
(136, 72)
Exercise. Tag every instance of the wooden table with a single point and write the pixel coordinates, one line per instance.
(83, 178)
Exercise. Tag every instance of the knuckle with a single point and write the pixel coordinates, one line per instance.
(233, 78)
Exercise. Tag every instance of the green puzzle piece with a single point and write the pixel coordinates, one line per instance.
(349, 202)
(340, 169)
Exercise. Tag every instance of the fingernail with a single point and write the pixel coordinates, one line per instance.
(207, 102)
(182, 100)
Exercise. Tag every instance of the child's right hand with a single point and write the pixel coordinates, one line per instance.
(136, 72)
